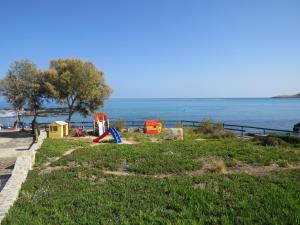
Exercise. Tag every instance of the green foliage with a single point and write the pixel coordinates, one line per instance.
(268, 140)
(148, 158)
(86, 196)
(288, 138)
(275, 140)
(54, 148)
(206, 127)
(25, 84)
(119, 124)
(20, 85)
(143, 138)
(11, 87)
(79, 85)
(282, 163)
(178, 156)
(162, 122)
(72, 132)
(212, 130)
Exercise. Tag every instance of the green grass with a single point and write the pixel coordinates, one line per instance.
(178, 156)
(54, 148)
(85, 195)
(141, 137)
(78, 196)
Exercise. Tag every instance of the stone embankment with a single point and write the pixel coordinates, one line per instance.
(23, 164)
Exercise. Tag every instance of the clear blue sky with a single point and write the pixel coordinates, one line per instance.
(163, 48)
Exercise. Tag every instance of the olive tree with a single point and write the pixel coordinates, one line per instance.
(79, 85)
(25, 85)
(11, 88)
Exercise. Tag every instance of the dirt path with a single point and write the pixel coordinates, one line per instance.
(51, 160)
(242, 168)
(207, 168)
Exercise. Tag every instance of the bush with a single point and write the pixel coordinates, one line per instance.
(209, 127)
(268, 140)
(219, 167)
(288, 138)
(72, 132)
(206, 127)
(282, 163)
(225, 134)
(119, 124)
(162, 122)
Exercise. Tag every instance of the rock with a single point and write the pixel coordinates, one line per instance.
(174, 134)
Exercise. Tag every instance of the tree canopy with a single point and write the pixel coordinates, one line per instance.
(23, 85)
(79, 85)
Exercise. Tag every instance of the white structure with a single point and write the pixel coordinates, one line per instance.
(101, 127)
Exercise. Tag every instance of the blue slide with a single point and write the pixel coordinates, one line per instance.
(115, 135)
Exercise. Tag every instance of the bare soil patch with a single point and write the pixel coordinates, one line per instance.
(210, 168)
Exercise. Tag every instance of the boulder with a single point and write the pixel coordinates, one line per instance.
(173, 134)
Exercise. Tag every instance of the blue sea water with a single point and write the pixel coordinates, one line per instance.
(265, 112)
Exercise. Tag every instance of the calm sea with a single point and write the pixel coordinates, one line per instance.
(266, 112)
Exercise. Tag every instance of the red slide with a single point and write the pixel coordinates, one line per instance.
(100, 137)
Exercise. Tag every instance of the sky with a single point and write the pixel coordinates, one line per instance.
(163, 48)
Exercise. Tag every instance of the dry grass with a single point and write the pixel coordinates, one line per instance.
(219, 166)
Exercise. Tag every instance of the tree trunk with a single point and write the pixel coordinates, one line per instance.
(17, 120)
(34, 127)
(69, 117)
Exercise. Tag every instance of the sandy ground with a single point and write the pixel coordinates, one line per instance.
(12, 145)
(106, 140)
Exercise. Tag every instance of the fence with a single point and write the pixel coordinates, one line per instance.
(240, 129)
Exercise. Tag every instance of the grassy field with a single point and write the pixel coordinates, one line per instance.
(158, 183)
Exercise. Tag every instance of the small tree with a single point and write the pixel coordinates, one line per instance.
(119, 124)
(36, 93)
(79, 85)
(11, 88)
(25, 84)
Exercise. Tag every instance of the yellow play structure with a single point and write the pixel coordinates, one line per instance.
(58, 129)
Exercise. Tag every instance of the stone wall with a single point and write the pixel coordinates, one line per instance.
(23, 164)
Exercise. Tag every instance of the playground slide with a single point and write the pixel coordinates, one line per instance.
(113, 132)
(115, 135)
(97, 139)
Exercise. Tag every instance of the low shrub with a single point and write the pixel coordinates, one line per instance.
(268, 140)
(230, 162)
(282, 163)
(209, 127)
(72, 132)
(219, 166)
(213, 130)
(162, 122)
(288, 138)
(226, 134)
(119, 124)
